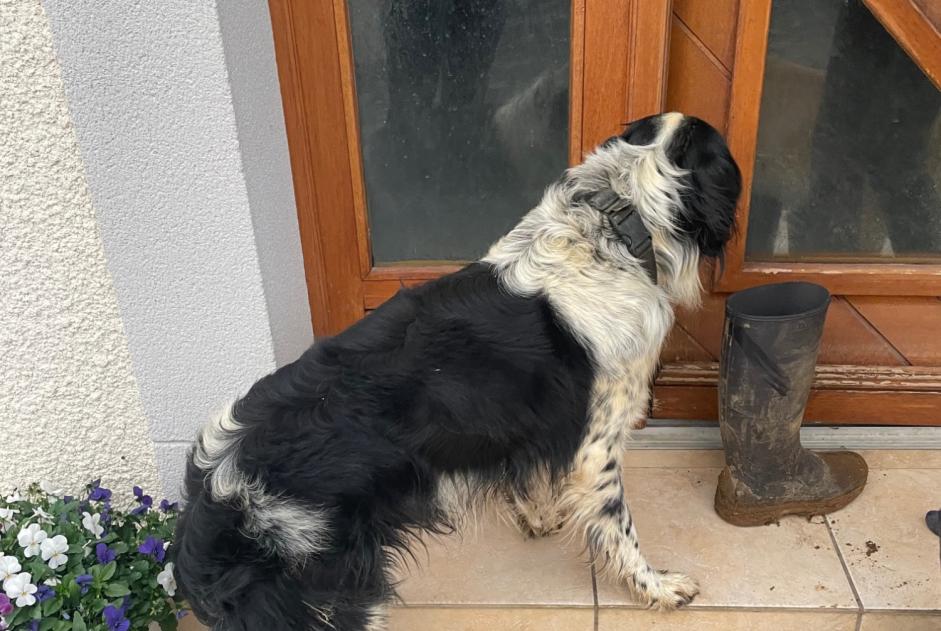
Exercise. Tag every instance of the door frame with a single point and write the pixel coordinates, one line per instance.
(896, 279)
(618, 73)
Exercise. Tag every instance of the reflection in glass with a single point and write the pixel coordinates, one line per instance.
(463, 109)
(849, 157)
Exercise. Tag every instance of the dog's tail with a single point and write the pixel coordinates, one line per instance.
(247, 559)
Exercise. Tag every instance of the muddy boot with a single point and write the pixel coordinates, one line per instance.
(769, 350)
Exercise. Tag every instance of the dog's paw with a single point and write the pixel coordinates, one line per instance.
(671, 591)
(535, 526)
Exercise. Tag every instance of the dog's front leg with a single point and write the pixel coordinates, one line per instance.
(594, 495)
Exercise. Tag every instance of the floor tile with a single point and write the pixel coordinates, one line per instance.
(902, 458)
(494, 565)
(873, 621)
(725, 620)
(893, 559)
(677, 458)
(498, 619)
(792, 564)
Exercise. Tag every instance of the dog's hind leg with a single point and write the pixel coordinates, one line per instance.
(594, 494)
(537, 512)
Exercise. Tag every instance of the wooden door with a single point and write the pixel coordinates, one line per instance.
(833, 111)
(360, 75)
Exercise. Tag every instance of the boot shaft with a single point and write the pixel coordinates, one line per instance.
(769, 352)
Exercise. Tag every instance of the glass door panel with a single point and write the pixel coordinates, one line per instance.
(848, 165)
(463, 119)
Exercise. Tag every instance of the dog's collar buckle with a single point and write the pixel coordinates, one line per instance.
(625, 221)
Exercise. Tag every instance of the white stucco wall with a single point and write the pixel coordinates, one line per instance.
(70, 409)
(150, 262)
(190, 177)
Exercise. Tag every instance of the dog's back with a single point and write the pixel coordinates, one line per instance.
(326, 466)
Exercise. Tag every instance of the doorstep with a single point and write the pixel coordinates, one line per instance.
(872, 566)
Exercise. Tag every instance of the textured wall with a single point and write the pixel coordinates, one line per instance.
(201, 239)
(69, 404)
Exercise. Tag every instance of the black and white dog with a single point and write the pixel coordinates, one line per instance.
(517, 377)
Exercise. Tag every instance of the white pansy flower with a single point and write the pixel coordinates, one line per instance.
(9, 566)
(7, 515)
(51, 582)
(92, 523)
(30, 538)
(53, 551)
(165, 578)
(11, 499)
(51, 489)
(21, 588)
(41, 514)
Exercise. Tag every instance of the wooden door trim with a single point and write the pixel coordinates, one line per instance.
(313, 49)
(914, 32)
(315, 118)
(744, 110)
(846, 395)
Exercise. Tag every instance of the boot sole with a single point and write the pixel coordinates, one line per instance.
(764, 515)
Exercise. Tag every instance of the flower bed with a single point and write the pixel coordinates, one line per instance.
(83, 564)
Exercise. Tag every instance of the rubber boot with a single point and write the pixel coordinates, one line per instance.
(769, 351)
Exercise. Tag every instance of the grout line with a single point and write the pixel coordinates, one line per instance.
(846, 571)
(594, 590)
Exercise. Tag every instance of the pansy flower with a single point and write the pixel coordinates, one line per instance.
(53, 551)
(153, 547)
(105, 554)
(115, 620)
(30, 538)
(84, 582)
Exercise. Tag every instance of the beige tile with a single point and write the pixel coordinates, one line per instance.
(930, 621)
(495, 566)
(461, 619)
(902, 458)
(189, 623)
(789, 565)
(675, 458)
(725, 620)
(892, 557)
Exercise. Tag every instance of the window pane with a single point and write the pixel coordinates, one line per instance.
(849, 149)
(463, 110)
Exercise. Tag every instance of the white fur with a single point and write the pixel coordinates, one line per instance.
(290, 529)
(565, 251)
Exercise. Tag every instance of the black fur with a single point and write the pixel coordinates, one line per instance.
(455, 376)
(713, 184)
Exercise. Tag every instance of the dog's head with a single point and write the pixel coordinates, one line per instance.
(710, 181)
(677, 173)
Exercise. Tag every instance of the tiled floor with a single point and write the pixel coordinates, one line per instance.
(872, 566)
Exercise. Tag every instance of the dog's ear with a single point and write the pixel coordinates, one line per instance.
(713, 186)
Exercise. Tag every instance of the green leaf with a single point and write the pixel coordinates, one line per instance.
(51, 606)
(78, 623)
(120, 547)
(108, 571)
(116, 590)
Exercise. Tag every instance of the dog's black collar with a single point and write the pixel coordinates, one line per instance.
(627, 224)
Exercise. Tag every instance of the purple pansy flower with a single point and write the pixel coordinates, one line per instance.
(153, 547)
(182, 613)
(5, 605)
(145, 501)
(166, 506)
(115, 620)
(34, 625)
(44, 593)
(98, 493)
(105, 554)
(84, 581)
